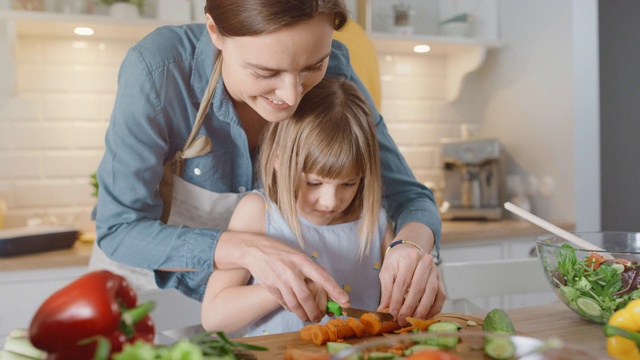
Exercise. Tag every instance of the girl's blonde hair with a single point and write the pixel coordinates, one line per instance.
(331, 134)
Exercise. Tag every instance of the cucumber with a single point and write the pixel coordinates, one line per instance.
(499, 347)
(445, 342)
(589, 307)
(497, 321)
(335, 347)
(378, 355)
(419, 347)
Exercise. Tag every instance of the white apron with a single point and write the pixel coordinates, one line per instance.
(192, 206)
(184, 203)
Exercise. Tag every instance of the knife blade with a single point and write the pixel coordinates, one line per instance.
(337, 310)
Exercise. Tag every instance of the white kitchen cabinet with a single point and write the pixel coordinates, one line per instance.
(496, 249)
(22, 293)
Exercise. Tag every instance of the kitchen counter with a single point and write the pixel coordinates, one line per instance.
(453, 232)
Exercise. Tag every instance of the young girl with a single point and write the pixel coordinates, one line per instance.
(321, 176)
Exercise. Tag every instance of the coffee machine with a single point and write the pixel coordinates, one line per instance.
(473, 174)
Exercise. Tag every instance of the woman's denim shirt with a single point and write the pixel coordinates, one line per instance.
(161, 81)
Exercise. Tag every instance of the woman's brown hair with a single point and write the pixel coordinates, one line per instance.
(255, 17)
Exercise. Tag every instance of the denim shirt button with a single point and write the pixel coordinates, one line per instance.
(242, 189)
(197, 171)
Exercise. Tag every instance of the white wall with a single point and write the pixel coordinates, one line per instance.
(51, 130)
(524, 95)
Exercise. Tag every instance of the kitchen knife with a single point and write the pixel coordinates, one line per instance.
(337, 310)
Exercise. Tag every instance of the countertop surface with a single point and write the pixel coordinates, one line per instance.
(453, 233)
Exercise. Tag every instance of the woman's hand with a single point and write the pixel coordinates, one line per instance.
(319, 294)
(282, 270)
(410, 282)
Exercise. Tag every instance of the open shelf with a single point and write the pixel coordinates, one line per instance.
(464, 55)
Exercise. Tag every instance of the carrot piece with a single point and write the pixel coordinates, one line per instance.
(336, 326)
(421, 324)
(320, 335)
(357, 327)
(332, 331)
(306, 331)
(348, 330)
(372, 323)
(389, 326)
(405, 329)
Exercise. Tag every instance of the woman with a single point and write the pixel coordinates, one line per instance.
(274, 52)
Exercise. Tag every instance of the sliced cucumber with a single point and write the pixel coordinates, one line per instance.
(419, 347)
(378, 355)
(444, 326)
(335, 347)
(499, 348)
(446, 342)
(589, 307)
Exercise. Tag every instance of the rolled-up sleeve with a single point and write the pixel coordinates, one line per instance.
(129, 205)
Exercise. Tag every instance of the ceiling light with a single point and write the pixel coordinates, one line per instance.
(83, 31)
(421, 48)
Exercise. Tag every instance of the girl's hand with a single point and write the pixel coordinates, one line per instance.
(411, 284)
(284, 272)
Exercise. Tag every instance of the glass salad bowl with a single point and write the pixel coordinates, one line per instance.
(594, 284)
(462, 345)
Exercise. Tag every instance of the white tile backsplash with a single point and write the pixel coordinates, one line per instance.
(52, 129)
(17, 166)
(71, 106)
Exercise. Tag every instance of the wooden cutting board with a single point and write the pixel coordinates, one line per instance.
(278, 343)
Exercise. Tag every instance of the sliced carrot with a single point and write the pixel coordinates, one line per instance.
(306, 331)
(357, 327)
(389, 326)
(372, 323)
(320, 335)
(405, 329)
(346, 329)
(421, 324)
(334, 326)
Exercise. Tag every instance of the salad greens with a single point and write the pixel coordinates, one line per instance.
(594, 289)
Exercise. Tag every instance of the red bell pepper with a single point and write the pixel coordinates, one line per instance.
(99, 304)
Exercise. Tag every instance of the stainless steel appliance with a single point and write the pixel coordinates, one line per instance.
(473, 171)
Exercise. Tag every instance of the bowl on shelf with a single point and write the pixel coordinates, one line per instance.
(594, 284)
(463, 345)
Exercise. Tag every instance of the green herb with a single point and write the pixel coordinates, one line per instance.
(94, 183)
(201, 347)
